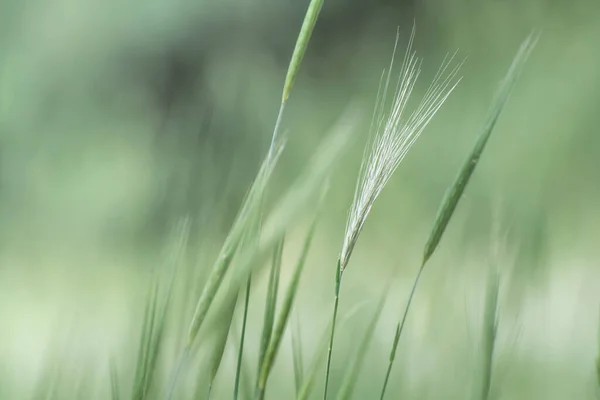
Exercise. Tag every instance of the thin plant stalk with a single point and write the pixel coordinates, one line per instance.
(399, 329)
(350, 378)
(454, 194)
(308, 25)
(238, 368)
(291, 206)
(251, 206)
(336, 302)
(220, 268)
(217, 350)
(490, 328)
(114, 382)
(284, 314)
(309, 379)
(271, 302)
(296, 338)
(598, 364)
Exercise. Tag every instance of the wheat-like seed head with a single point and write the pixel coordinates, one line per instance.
(393, 133)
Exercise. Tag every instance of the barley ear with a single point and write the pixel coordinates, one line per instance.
(455, 192)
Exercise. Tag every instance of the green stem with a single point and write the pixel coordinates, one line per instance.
(338, 280)
(182, 360)
(236, 386)
(276, 130)
(399, 330)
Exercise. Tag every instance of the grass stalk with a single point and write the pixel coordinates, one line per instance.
(490, 328)
(282, 320)
(454, 194)
(598, 364)
(241, 225)
(308, 25)
(399, 329)
(115, 391)
(218, 349)
(308, 381)
(351, 375)
(238, 369)
(297, 357)
(336, 302)
(271, 303)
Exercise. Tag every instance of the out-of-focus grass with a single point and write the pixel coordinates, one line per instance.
(81, 172)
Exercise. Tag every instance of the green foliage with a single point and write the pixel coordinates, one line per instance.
(186, 365)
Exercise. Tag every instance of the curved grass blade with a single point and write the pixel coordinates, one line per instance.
(308, 25)
(490, 329)
(308, 382)
(454, 194)
(271, 302)
(336, 302)
(295, 202)
(284, 314)
(114, 382)
(598, 363)
(351, 375)
(297, 354)
(251, 205)
(218, 349)
(240, 358)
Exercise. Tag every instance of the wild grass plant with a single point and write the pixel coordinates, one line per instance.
(258, 235)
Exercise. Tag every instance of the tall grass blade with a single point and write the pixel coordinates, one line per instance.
(240, 358)
(309, 380)
(284, 314)
(248, 241)
(308, 25)
(490, 328)
(351, 375)
(271, 302)
(217, 349)
(114, 382)
(399, 329)
(293, 204)
(251, 205)
(297, 357)
(454, 194)
(311, 374)
(598, 363)
(336, 302)
(151, 341)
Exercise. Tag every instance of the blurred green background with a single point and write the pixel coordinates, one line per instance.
(117, 118)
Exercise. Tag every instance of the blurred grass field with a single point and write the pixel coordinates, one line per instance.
(119, 118)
